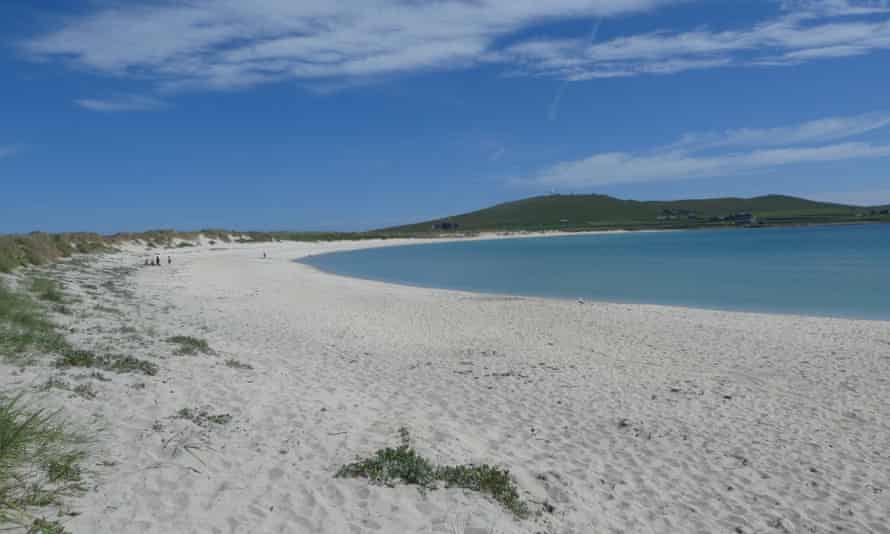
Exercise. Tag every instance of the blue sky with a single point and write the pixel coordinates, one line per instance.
(355, 114)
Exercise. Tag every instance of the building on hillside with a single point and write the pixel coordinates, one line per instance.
(743, 218)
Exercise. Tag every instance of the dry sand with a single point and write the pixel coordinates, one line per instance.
(622, 418)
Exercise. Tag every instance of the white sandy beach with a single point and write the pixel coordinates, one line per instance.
(623, 418)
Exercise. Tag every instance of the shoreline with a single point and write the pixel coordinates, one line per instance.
(345, 247)
(617, 417)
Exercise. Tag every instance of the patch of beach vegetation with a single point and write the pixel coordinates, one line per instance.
(235, 364)
(203, 418)
(40, 463)
(189, 346)
(48, 290)
(25, 327)
(130, 364)
(77, 358)
(84, 391)
(109, 362)
(403, 464)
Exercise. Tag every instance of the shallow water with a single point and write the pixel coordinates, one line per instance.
(839, 271)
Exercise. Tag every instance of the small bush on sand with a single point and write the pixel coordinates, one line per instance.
(115, 363)
(85, 391)
(235, 364)
(189, 345)
(45, 526)
(39, 461)
(77, 358)
(403, 464)
(129, 364)
(202, 417)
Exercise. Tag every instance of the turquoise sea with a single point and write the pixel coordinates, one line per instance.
(841, 271)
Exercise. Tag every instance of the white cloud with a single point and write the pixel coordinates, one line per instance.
(685, 159)
(230, 43)
(7, 151)
(621, 167)
(821, 130)
(120, 103)
(812, 31)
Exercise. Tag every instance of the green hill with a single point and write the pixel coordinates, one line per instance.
(580, 212)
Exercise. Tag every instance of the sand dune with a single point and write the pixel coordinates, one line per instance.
(621, 418)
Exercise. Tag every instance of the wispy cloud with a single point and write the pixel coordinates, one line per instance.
(7, 151)
(226, 44)
(807, 31)
(231, 44)
(621, 167)
(691, 157)
(817, 131)
(121, 103)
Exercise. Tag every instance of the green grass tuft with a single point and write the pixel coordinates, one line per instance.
(45, 526)
(65, 468)
(24, 326)
(48, 290)
(77, 358)
(202, 418)
(85, 391)
(403, 464)
(129, 364)
(190, 345)
(39, 460)
(118, 364)
(235, 364)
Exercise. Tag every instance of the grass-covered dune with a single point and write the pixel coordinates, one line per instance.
(40, 248)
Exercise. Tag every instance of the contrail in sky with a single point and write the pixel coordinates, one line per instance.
(553, 112)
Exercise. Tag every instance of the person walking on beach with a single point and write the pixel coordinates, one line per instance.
(169, 260)
(158, 260)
